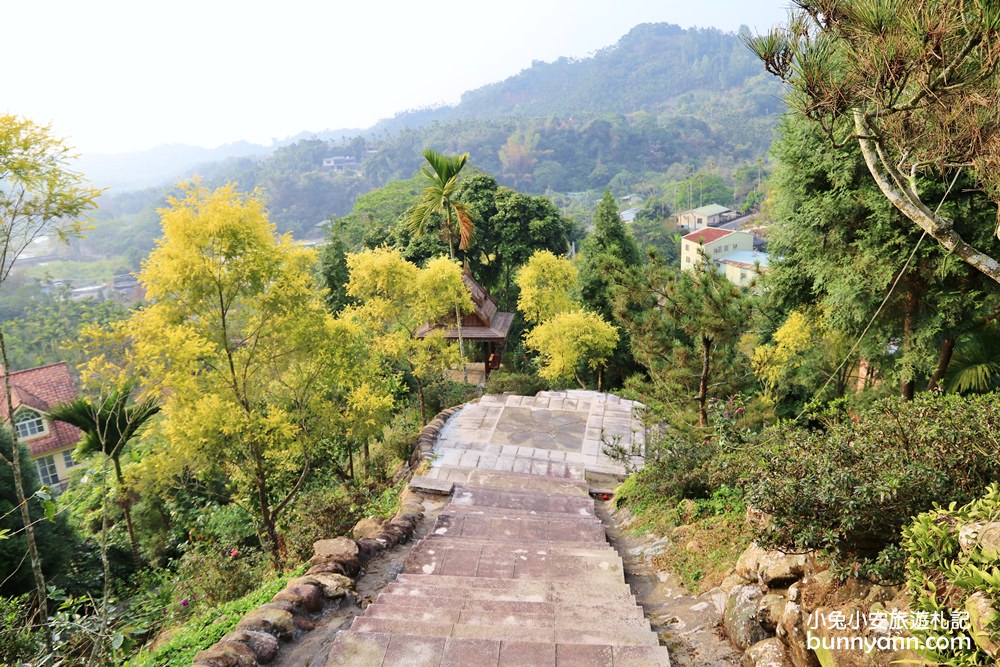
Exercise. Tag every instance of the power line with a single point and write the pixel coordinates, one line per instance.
(888, 295)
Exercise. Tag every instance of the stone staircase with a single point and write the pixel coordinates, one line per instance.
(516, 572)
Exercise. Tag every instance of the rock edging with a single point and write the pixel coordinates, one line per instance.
(777, 601)
(424, 449)
(335, 564)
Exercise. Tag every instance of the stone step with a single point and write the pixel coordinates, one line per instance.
(525, 483)
(579, 515)
(491, 560)
(455, 456)
(520, 586)
(452, 451)
(514, 514)
(463, 496)
(614, 608)
(553, 570)
(448, 540)
(373, 649)
(519, 549)
(524, 616)
(592, 635)
(576, 593)
(505, 528)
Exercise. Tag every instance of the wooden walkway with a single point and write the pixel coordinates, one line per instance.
(516, 572)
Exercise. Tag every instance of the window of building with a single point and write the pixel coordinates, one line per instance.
(29, 424)
(47, 472)
(68, 461)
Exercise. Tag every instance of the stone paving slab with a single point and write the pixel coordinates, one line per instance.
(525, 483)
(570, 423)
(610, 608)
(430, 485)
(517, 570)
(622, 636)
(369, 649)
(520, 617)
(458, 511)
(473, 562)
(577, 505)
(544, 588)
(506, 527)
(555, 596)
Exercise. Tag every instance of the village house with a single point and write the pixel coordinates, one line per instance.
(50, 444)
(702, 217)
(733, 251)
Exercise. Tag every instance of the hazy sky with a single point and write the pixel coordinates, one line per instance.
(119, 75)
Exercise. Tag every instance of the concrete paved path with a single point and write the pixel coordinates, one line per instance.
(517, 570)
(558, 434)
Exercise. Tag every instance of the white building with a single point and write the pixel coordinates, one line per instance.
(731, 250)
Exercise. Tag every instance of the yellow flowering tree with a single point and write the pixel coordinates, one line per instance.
(571, 341)
(546, 283)
(252, 369)
(394, 297)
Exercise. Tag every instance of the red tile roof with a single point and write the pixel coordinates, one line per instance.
(41, 388)
(707, 235)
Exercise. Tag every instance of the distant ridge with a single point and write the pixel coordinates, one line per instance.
(698, 81)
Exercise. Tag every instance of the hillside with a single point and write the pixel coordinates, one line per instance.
(656, 67)
(661, 105)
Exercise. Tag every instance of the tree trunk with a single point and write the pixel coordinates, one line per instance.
(126, 503)
(423, 401)
(903, 196)
(944, 359)
(105, 565)
(706, 358)
(22, 501)
(458, 314)
(908, 386)
(266, 518)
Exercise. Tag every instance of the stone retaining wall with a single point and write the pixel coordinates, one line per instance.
(335, 564)
(424, 450)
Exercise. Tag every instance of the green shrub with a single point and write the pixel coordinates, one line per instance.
(448, 393)
(848, 489)
(941, 576)
(320, 513)
(19, 638)
(401, 436)
(512, 382)
(212, 573)
(207, 627)
(676, 466)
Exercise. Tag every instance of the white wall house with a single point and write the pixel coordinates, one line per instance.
(731, 250)
(703, 216)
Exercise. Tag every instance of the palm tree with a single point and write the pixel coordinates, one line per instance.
(107, 425)
(440, 197)
(975, 364)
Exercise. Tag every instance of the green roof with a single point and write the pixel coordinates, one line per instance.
(710, 210)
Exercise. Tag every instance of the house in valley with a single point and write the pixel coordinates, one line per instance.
(732, 251)
(703, 216)
(50, 444)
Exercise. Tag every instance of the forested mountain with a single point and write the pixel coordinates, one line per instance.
(662, 106)
(656, 67)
